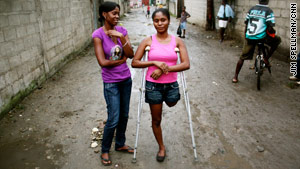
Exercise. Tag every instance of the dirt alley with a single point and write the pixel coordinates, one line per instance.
(235, 126)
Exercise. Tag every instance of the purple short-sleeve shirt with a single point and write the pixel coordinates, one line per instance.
(113, 51)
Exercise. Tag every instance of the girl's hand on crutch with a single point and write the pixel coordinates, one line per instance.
(162, 65)
(156, 74)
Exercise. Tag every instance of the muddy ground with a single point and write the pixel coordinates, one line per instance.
(235, 126)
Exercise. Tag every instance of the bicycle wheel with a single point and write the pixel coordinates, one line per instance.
(266, 52)
(259, 63)
(256, 65)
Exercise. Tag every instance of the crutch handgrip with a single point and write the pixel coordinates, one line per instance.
(147, 48)
(176, 49)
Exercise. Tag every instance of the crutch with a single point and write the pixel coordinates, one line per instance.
(187, 104)
(140, 107)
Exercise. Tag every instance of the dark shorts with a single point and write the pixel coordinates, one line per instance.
(156, 93)
(249, 46)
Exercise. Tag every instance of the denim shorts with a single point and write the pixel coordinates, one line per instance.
(183, 25)
(156, 93)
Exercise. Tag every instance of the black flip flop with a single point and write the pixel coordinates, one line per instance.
(160, 158)
(126, 150)
(105, 161)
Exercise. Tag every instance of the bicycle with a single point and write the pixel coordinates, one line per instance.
(259, 64)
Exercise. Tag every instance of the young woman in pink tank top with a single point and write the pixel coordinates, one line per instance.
(161, 78)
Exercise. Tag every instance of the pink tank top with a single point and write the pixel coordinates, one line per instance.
(164, 53)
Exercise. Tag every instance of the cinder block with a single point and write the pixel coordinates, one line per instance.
(30, 29)
(36, 40)
(14, 20)
(28, 78)
(25, 56)
(14, 61)
(48, 45)
(5, 6)
(44, 6)
(16, 6)
(39, 61)
(28, 6)
(54, 5)
(19, 45)
(1, 36)
(21, 31)
(2, 82)
(32, 18)
(282, 4)
(11, 76)
(280, 32)
(9, 34)
(279, 21)
(37, 72)
(28, 41)
(1, 101)
(6, 93)
(285, 13)
(37, 27)
(273, 4)
(4, 66)
(50, 53)
(24, 19)
(53, 15)
(277, 12)
(17, 86)
(51, 24)
(3, 21)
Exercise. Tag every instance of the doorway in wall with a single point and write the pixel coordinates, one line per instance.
(180, 4)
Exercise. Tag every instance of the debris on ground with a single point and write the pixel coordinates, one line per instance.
(97, 135)
(260, 149)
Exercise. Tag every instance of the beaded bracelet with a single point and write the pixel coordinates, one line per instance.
(125, 43)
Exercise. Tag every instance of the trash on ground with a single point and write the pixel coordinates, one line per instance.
(94, 144)
(260, 149)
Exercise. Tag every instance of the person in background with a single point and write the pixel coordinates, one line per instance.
(112, 48)
(260, 23)
(225, 15)
(148, 11)
(183, 20)
(161, 78)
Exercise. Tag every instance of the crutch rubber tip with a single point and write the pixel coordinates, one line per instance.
(196, 160)
(133, 160)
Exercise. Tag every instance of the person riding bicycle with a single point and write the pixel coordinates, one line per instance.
(260, 23)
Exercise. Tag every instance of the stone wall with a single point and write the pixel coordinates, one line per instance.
(37, 37)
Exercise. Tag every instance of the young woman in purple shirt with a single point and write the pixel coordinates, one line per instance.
(112, 48)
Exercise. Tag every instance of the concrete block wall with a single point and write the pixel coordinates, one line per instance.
(197, 10)
(36, 36)
(173, 7)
